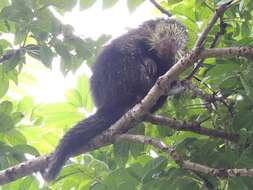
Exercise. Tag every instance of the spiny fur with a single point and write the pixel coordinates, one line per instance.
(123, 73)
(170, 28)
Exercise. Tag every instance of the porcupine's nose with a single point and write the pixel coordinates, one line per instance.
(168, 48)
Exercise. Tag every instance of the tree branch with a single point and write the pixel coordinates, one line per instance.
(135, 115)
(246, 52)
(218, 172)
(213, 44)
(218, 13)
(201, 40)
(190, 126)
(160, 8)
(23, 169)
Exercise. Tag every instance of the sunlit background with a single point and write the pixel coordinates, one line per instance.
(50, 85)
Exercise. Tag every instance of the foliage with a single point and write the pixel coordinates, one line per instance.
(28, 129)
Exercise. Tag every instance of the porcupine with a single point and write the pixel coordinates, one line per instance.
(123, 73)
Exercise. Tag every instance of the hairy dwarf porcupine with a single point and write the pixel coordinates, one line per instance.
(123, 73)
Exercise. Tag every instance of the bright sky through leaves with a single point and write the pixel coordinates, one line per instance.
(92, 22)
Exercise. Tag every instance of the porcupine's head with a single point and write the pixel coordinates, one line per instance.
(168, 37)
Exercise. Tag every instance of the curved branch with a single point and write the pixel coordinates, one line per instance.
(191, 126)
(218, 172)
(135, 115)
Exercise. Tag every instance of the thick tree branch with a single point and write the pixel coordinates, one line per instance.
(23, 169)
(191, 126)
(39, 163)
(219, 172)
(135, 115)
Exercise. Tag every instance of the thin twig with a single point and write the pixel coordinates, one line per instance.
(191, 126)
(210, 98)
(213, 44)
(219, 12)
(161, 9)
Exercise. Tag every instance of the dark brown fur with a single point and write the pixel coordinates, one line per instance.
(123, 73)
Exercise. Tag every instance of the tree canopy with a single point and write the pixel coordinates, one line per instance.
(202, 138)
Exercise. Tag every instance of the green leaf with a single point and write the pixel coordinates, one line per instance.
(24, 148)
(133, 4)
(29, 183)
(46, 55)
(62, 50)
(17, 116)
(74, 97)
(45, 25)
(25, 105)
(4, 86)
(15, 59)
(83, 88)
(243, 119)
(6, 122)
(121, 152)
(102, 40)
(16, 14)
(13, 75)
(63, 4)
(248, 88)
(237, 183)
(120, 179)
(20, 34)
(85, 4)
(4, 44)
(6, 107)
(4, 3)
(15, 137)
(108, 3)
(98, 186)
(246, 29)
(171, 2)
(154, 167)
(60, 114)
(136, 170)
(136, 149)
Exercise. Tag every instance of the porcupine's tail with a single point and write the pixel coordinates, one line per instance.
(77, 136)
